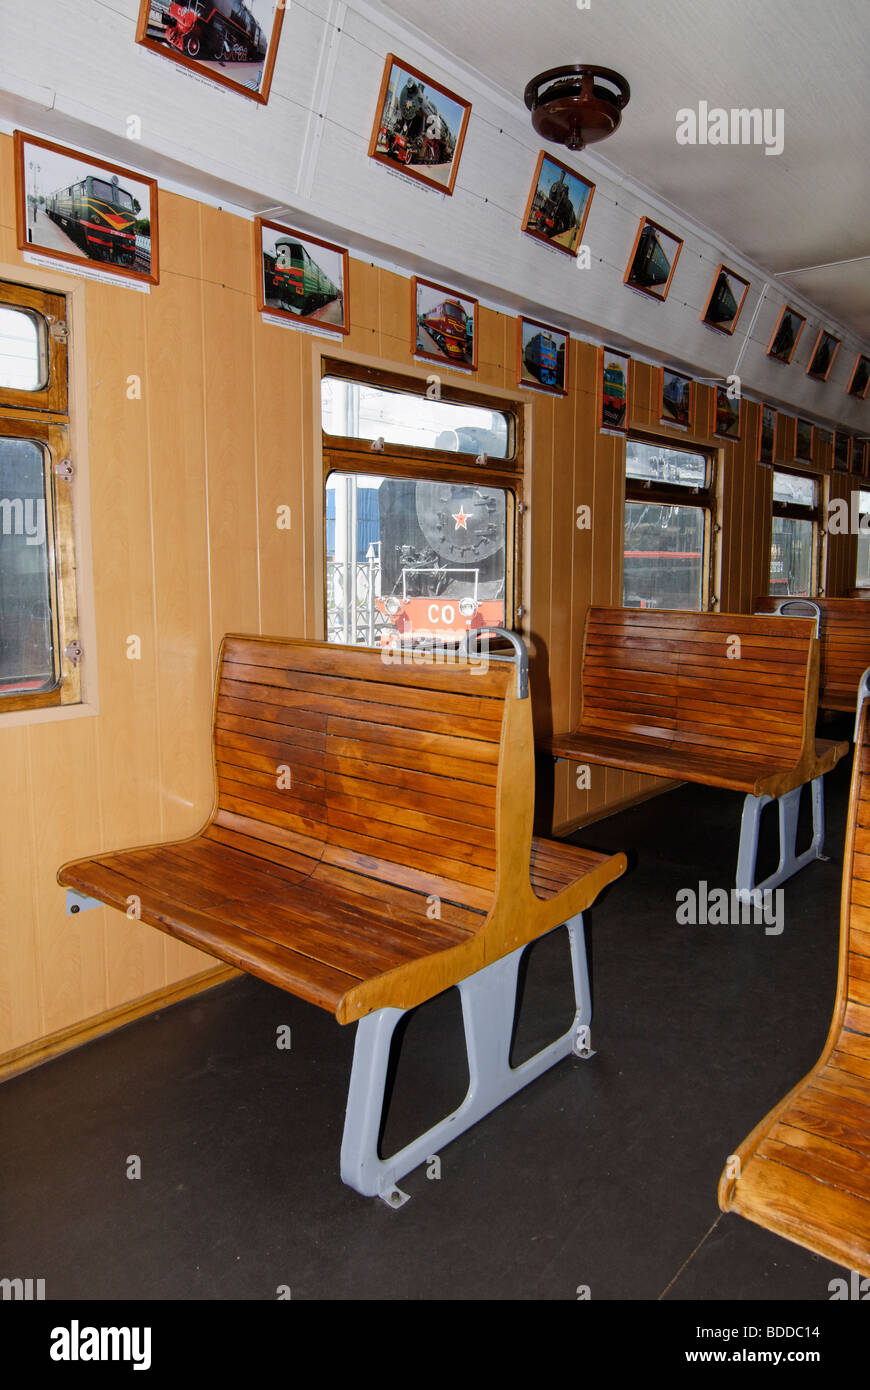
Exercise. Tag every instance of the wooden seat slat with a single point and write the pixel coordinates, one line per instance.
(436, 784)
(336, 696)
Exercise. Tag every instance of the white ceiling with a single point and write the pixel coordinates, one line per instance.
(804, 214)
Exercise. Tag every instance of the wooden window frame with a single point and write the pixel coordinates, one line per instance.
(680, 495)
(341, 454)
(43, 417)
(792, 511)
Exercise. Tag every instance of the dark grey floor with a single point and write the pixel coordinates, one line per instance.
(602, 1173)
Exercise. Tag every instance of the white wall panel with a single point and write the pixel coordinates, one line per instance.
(73, 72)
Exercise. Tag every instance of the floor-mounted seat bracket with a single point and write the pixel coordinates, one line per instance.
(790, 862)
(488, 1010)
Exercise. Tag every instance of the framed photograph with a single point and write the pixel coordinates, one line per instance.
(727, 414)
(419, 126)
(786, 334)
(842, 451)
(822, 356)
(803, 441)
(232, 42)
(443, 324)
(558, 205)
(542, 354)
(726, 300)
(81, 209)
(676, 398)
(653, 259)
(301, 278)
(860, 378)
(613, 379)
(766, 435)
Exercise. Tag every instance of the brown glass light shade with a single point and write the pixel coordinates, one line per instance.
(577, 105)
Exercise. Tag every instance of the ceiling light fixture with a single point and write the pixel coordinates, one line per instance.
(577, 105)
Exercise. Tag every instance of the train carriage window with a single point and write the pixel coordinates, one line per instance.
(357, 410)
(23, 351)
(421, 515)
(794, 546)
(669, 505)
(39, 658)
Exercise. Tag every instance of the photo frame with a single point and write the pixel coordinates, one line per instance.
(803, 440)
(419, 126)
(558, 205)
(784, 339)
(300, 277)
(728, 414)
(614, 370)
(443, 324)
(78, 208)
(542, 356)
(653, 259)
(859, 381)
(822, 356)
(842, 451)
(766, 435)
(725, 301)
(231, 42)
(675, 398)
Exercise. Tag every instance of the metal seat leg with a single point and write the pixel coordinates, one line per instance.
(488, 1007)
(790, 862)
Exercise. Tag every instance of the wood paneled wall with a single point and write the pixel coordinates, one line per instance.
(185, 486)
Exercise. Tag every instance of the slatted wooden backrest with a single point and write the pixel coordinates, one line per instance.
(325, 752)
(803, 1171)
(853, 996)
(629, 676)
(845, 646)
(723, 681)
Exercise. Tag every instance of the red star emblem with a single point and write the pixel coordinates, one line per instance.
(461, 518)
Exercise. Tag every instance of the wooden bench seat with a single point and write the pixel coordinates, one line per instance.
(844, 633)
(804, 1171)
(370, 846)
(723, 699)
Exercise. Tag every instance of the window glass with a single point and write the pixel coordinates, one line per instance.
(656, 463)
(788, 487)
(354, 410)
(664, 556)
(412, 561)
(791, 556)
(21, 350)
(26, 662)
(112, 193)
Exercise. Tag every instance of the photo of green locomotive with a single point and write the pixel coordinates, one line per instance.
(303, 277)
(296, 281)
(99, 216)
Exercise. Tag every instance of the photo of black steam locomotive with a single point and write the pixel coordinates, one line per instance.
(442, 550)
(416, 131)
(221, 30)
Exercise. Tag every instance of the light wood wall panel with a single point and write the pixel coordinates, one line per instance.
(185, 485)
